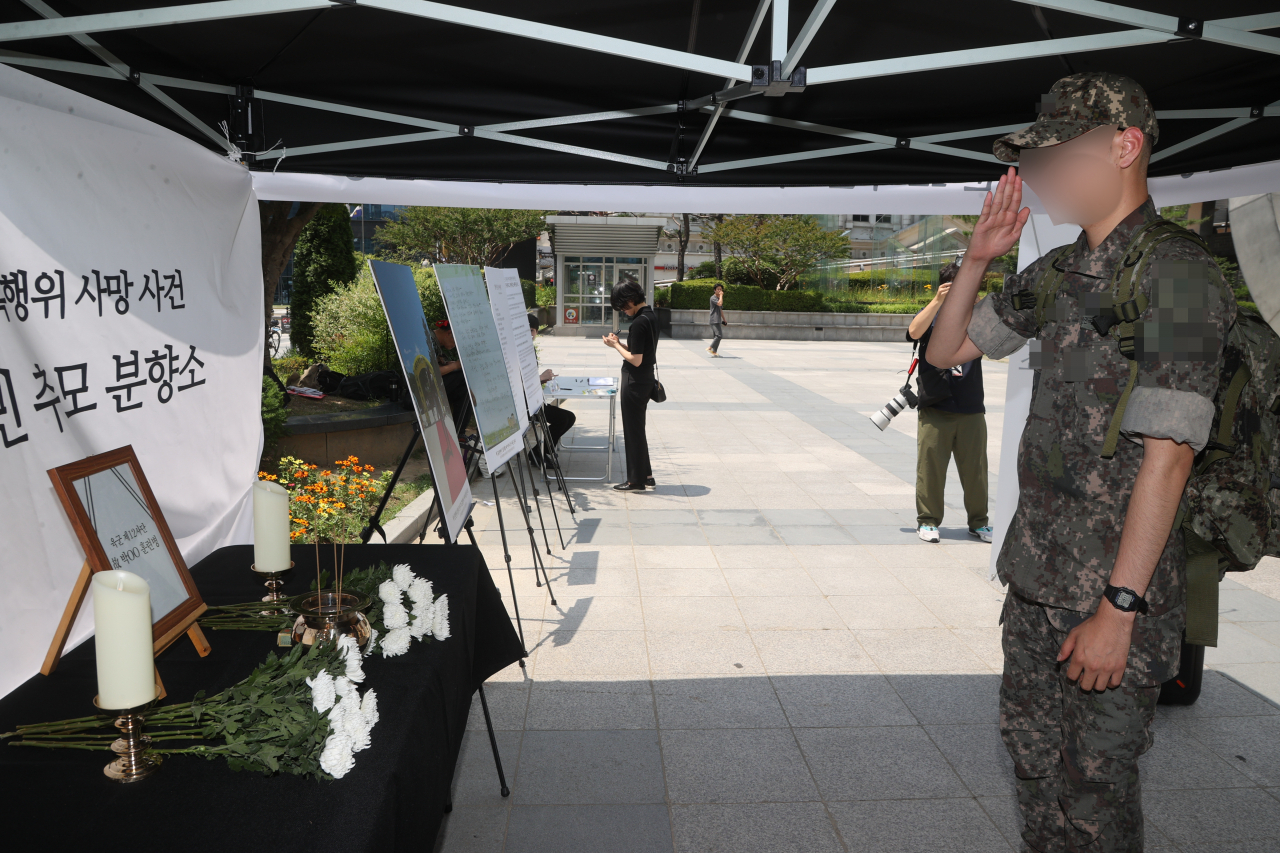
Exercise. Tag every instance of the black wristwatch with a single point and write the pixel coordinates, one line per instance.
(1125, 599)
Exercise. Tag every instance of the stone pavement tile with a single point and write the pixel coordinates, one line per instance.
(1220, 697)
(647, 535)
(580, 582)
(797, 517)
(475, 780)
(682, 582)
(812, 652)
(965, 610)
(937, 699)
(597, 828)
(563, 767)
(834, 556)
(826, 701)
(1236, 645)
(674, 653)
(940, 580)
(883, 611)
(796, 535)
(878, 763)
(588, 534)
(740, 535)
(770, 581)
(865, 580)
(755, 556)
(890, 534)
(723, 497)
(675, 557)
(472, 829)
(969, 552)
(757, 827)
(769, 496)
(735, 766)
(1250, 745)
(985, 643)
(1246, 605)
(1263, 678)
(662, 516)
(696, 613)
(864, 516)
(907, 826)
(1253, 845)
(788, 613)
(508, 702)
(1269, 631)
(911, 554)
(746, 702)
(599, 655)
(577, 612)
(592, 557)
(1213, 816)
(919, 650)
(1179, 760)
(579, 705)
(1004, 814)
(978, 756)
(741, 517)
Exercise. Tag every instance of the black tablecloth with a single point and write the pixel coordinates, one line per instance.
(56, 800)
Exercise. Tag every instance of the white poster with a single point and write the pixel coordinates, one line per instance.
(483, 365)
(509, 313)
(403, 306)
(131, 313)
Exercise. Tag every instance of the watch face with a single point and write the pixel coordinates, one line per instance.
(1124, 600)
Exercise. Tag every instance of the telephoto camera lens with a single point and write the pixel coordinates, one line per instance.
(891, 410)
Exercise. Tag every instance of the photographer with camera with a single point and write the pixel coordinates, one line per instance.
(952, 421)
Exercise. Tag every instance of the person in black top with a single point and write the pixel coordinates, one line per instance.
(559, 419)
(639, 355)
(956, 425)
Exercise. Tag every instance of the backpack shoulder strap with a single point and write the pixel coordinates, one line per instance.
(1050, 283)
(1128, 307)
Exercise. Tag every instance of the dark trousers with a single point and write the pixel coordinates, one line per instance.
(942, 435)
(635, 401)
(559, 420)
(717, 335)
(455, 388)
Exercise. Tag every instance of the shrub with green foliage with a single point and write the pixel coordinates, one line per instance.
(530, 290)
(351, 333)
(546, 297)
(696, 295)
(274, 415)
(323, 259)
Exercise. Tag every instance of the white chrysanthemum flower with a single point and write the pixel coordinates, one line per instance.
(351, 651)
(323, 694)
(355, 727)
(369, 709)
(389, 593)
(371, 646)
(346, 689)
(395, 616)
(424, 615)
(395, 643)
(420, 591)
(402, 575)
(336, 758)
(440, 624)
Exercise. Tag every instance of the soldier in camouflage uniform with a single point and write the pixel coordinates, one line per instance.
(1082, 675)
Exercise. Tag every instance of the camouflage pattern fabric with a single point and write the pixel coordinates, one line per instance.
(1078, 104)
(1075, 752)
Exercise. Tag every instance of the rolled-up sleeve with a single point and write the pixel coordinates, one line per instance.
(1178, 345)
(989, 333)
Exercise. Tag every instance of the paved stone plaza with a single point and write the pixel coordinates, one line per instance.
(762, 656)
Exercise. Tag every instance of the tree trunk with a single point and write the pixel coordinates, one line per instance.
(684, 244)
(716, 248)
(279, 234)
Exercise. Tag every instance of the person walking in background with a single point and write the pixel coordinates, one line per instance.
(639, 355)
(956, 423)
(717, 320)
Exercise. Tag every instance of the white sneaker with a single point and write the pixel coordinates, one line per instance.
(710, 350)
(928, 533)
(983, 533)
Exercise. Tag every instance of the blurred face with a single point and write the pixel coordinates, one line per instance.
(1078, 181)
(445, 337)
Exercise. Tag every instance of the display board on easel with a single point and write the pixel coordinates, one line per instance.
(483, 364)
(403, 307)
(120, 526)
(506, 298)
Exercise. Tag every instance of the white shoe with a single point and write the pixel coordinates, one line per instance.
(928, 533)
(710, 350)
(983, 533)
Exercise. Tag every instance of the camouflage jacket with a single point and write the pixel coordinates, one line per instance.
(1065, 534)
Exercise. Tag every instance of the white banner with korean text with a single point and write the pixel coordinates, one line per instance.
(130, 314)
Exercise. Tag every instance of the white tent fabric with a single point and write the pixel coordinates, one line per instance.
(932, 199)
(120, 211)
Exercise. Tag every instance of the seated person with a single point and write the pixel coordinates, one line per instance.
(559, 419)
(455, 384)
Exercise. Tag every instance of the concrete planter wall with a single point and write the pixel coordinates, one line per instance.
(377, 436)
(792, 326)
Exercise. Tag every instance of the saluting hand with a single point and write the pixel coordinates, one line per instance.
(1001, 221)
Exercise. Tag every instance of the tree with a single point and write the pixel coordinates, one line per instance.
(785, 245)
(281, 224)
(716, 247)
(457, 235)
(684, 245)
(324, 258)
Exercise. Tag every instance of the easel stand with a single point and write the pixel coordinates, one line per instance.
(551, 459)
(367, 534)
(542, 440)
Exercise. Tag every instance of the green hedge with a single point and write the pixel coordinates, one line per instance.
(696, 295)
(530, 293)
(892, 277)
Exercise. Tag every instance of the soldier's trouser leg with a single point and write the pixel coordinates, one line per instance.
(971, 464)
(934, 440)
(1075, 754)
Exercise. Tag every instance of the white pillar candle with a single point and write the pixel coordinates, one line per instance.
(270, 527)
(122, 640)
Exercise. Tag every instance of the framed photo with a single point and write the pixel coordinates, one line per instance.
(120, 526)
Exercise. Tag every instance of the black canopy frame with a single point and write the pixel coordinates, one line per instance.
(704, 92)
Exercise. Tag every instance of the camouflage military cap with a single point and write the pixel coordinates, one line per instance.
(1078, 104)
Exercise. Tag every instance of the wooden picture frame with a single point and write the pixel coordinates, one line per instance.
(178, 619)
